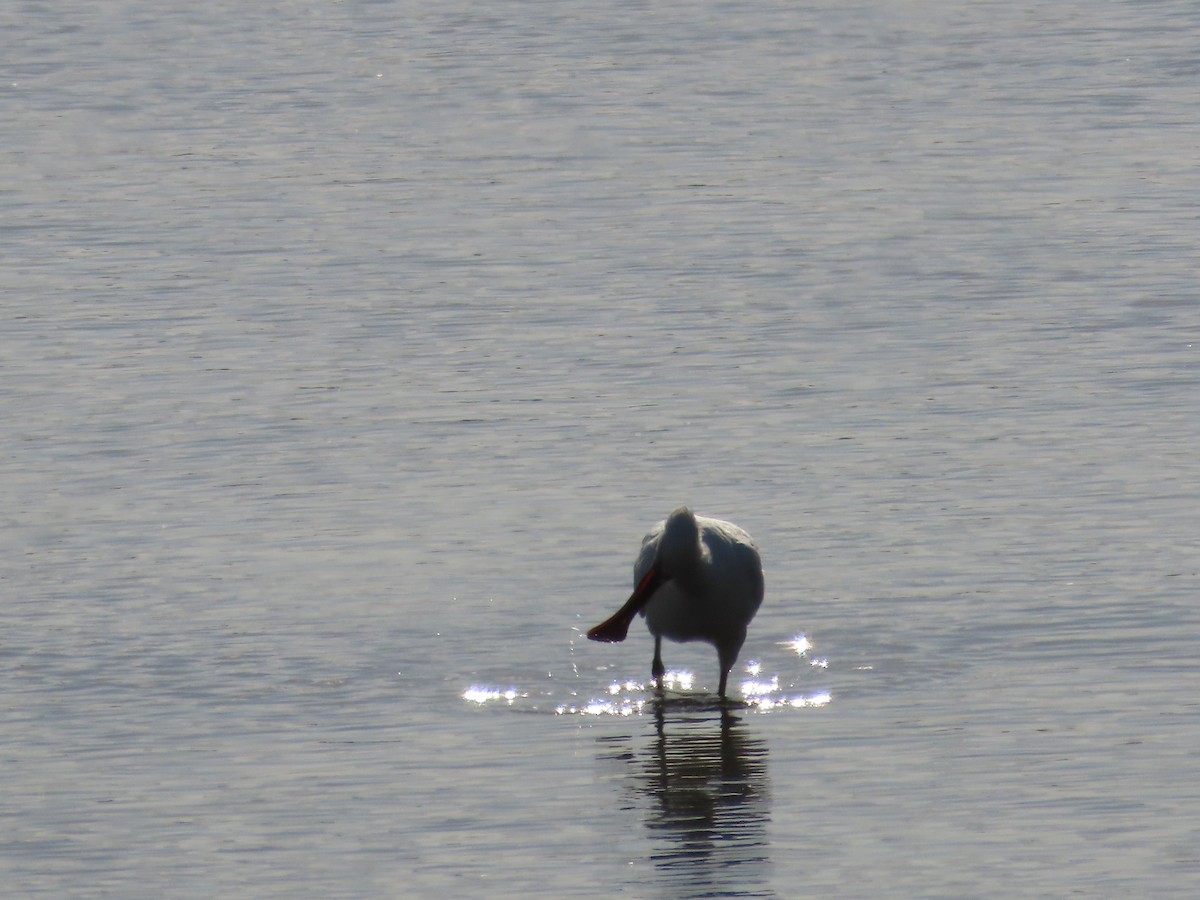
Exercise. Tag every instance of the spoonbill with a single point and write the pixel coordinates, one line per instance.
(695, 579)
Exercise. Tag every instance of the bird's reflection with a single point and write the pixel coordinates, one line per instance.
(704, 777)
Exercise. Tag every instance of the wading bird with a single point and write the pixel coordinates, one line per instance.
(695, 579)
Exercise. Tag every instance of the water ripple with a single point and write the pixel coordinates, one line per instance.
(630, 697)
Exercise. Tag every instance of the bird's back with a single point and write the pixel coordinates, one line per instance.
(733, 565)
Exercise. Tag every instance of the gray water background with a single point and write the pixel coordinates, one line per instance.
(350, 348)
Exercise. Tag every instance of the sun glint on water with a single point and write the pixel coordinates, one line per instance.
(476, 694)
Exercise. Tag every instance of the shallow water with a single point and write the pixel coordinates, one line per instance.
(351, 349)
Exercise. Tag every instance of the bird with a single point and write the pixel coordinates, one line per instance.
(695, 579)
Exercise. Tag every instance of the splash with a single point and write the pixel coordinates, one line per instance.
(800, 644)
(760, 688)
(626, 707)
(482, 695)
(772, 684)
(765, 695)
(769, 704)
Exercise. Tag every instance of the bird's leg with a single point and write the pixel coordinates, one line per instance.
(727, 655)
(657, 669)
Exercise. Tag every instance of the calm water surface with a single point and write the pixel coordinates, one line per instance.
(350, 349)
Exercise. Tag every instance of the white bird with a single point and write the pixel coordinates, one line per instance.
(695, 579)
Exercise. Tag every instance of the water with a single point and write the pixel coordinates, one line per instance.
(350, 348)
